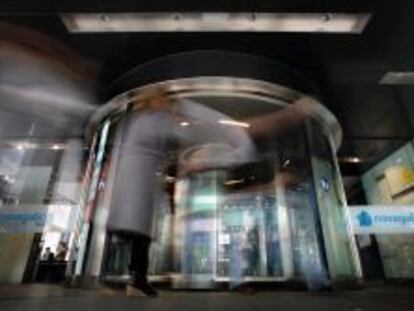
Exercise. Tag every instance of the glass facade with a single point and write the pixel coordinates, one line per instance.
(40, 185)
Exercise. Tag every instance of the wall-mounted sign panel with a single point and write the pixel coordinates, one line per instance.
(374, 219)
(37, 218)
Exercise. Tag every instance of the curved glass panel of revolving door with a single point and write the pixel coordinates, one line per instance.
(257, 220)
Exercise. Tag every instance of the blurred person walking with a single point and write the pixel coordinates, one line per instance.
(143, 139)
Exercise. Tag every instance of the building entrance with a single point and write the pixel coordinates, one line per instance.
(247, 191)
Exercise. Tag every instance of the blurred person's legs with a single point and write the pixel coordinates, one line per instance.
(238, 267)
(138, 266)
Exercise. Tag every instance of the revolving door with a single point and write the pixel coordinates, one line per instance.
(270, 209)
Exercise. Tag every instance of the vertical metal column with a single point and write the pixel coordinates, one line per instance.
(284, 231)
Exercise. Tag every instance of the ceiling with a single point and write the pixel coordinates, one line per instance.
(375, 118)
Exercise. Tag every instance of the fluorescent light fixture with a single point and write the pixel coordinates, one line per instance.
(398, 77)
(351, 160)
(184, 124)
(234, 123)
(25, 145)
(234, 182)
(220, 21)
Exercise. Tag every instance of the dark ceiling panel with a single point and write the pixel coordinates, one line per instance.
(53, 6)
(370, 111)
(369, 151)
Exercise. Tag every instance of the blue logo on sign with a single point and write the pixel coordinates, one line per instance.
(365, 219)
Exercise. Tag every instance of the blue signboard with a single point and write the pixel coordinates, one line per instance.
(382, 219)
(37, 218)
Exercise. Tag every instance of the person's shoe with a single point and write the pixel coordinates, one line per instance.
(133, 292)
(148, 290)
(140, 290)
(109, 291)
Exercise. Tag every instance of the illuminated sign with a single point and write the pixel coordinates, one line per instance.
(37, 218)
(368, 219)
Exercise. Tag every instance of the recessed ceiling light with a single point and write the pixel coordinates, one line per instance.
(56, 147)
(226, 22)
(25, 145)
(234, 182)
(184, 124)
(234, 123)
(398, 77)
(350, 159)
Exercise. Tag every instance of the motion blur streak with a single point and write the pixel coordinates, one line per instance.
(46, 89)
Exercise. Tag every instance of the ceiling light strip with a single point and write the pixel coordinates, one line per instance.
(219, 22)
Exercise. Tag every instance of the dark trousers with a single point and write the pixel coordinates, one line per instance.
(139, 258)
(138, 265)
